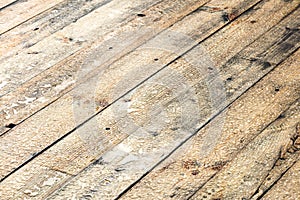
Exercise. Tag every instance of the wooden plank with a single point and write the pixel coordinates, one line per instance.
(80, 150)
(69, 40)
(289, 156)
(57, 109)
(21, 11)
(199, 159)
(288, 186)
(5, 3)
(39, 27)
(55, 126)
(63, 75)
(242, 177)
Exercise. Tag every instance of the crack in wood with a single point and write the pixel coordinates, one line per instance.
(288, 156)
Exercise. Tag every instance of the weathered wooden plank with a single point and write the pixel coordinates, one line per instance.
(135, 138)
(4, 3)
(95, 26)
(37, 28)
(21, 11)
(200, 158)
(178, 67)
(57, 123)
(65, 107)
(288, 186)
(46, 178)
(289, 156)
(63, 75)
(243, 176)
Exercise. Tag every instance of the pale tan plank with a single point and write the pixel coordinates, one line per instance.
(289, 155)
(4, 3)
(21, 11)
(45, 179)
(196, 161)
(242, 177)
(287, 187)
(60, 124)
(95, 26)
(103, 127)
(37, 28)
(125, 38)
(116, 168)
(55, 127)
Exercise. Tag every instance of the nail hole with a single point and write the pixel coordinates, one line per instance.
(281, 116)
(70, 39)
(225, 17)
(229, 79)
(155, 59)
(11, 125)
(110, 48)
(141, 15)
(252, 21)
(266, 65)
(37, 28)
(107, 128)
(210, 68)
(276, 89)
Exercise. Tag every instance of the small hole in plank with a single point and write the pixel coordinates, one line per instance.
(229, 79)
(277, 89)
(155, 59)
(11, 125)
(107, 128)
(110, 48)
(141, 15)
(37, 28)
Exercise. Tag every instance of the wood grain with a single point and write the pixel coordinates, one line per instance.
(21, 11)
(5, 3)
(199, 159)
(41, 89)
(59, 128)
(93, 27)
(44, 24)
(288, 186)
(122, 102)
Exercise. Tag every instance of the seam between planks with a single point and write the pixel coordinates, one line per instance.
(90, 74)
(28, 18)
(95, 114)
(267, 126)
(203, 126)
(271, 186)
(59, 29)
(128, 20)
(9, 4)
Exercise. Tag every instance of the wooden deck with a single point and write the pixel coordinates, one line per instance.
(156, 99)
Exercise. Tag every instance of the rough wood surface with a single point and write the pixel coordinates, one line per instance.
(151, 99)
(41, 136)
(58, 46)
(49, 85)
(39, 27)
(176, 177)
(288, 186)
(5, 3)
(21, 11)
(137, 144)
